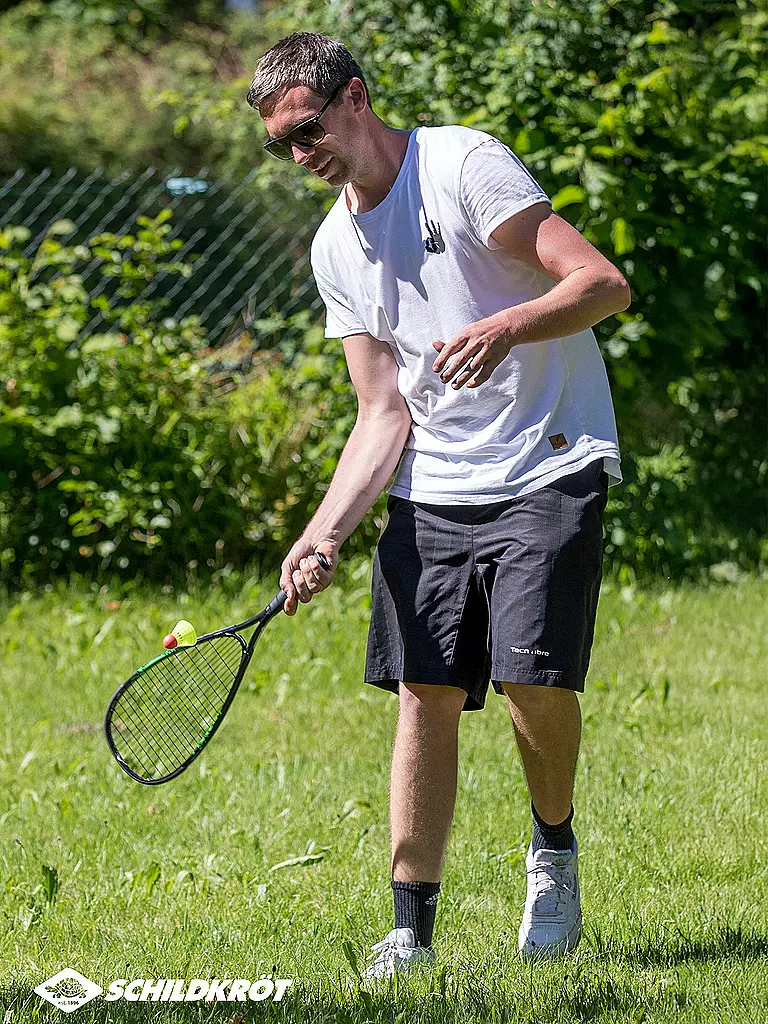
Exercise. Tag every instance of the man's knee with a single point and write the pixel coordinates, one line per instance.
(533, 696)
(432, 700)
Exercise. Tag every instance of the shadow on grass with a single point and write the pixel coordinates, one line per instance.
(602, 978)
(721, 942)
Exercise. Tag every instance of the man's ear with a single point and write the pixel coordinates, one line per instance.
(356, 92)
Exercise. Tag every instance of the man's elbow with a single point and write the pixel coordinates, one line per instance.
(620, 291)
(388, 419)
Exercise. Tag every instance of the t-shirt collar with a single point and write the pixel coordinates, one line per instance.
(388, 198)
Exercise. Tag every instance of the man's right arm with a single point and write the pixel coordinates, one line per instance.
(367, 462)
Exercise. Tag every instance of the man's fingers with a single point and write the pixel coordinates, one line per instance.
(473, 352)
(482, 375)
(322, 575)
(450, 366)
(310, 578)
(286, 585)
(290, 601)
(302, 590)
(470, 369)
(463, 370)
(453, 346)
(315, 576)
(463, 377)
(302, 577)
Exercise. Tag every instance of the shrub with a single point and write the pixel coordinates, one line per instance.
(121, 453)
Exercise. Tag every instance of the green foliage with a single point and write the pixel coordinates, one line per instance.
(79, 92)
(136, 22)
(645, 122)
(119, 454)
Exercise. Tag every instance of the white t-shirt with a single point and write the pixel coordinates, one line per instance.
(546, 410)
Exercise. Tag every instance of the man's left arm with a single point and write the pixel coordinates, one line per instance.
(588, 289)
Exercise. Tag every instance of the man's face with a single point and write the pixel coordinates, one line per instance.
(328, 159)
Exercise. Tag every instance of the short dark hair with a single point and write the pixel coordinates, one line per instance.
(304, 58)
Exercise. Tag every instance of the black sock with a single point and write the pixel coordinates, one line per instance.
(415, 907)
(552, 837)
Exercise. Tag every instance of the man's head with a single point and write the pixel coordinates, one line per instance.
(301, 77)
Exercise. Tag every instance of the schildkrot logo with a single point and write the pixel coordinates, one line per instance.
(69, 990)
(179, 990)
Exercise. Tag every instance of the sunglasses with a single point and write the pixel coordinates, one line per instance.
(308, 133)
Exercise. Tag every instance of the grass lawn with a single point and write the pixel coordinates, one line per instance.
(119, 880)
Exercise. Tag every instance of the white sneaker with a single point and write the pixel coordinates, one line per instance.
(398, 952)
(552, 916)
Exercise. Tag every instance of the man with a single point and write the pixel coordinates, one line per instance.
(465, 307)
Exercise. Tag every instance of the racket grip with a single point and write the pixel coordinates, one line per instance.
(275, 604)
(281, 597)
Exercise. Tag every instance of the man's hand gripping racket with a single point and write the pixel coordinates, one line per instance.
(167, 712)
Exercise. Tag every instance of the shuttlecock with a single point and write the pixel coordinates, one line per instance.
(183, 635)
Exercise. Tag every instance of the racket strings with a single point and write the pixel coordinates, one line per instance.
(172, 706)
(160, 721)
(132, 747)
(140, 700)
(150, 742)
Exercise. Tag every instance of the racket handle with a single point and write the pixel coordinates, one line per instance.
(281, 597)
(275, 604)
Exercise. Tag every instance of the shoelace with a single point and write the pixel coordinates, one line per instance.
(385, 944)
(550, 889)
(386, 951)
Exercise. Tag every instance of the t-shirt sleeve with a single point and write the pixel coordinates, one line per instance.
(494, 185)
(341, 318)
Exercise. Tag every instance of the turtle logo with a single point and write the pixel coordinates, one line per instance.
(68, 990)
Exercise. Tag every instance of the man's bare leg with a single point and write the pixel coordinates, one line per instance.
(547, 721)
(423, 779)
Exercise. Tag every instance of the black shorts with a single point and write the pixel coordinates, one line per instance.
(506, 592)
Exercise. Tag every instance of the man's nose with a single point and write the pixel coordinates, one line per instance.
(304, 153)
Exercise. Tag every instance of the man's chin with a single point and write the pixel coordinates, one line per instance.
(339, 177)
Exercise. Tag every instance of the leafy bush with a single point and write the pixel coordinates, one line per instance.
(644, 121)
(137, 22)
(119, 452)
(88, 92)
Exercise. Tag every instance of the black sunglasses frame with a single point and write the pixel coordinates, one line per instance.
(315, 119)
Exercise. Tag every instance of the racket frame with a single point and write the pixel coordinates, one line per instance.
(260, 621)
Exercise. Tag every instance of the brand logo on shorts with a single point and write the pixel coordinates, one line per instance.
(528, 650)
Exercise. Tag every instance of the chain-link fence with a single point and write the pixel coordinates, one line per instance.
(248, 242)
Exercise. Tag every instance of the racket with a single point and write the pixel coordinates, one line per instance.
(161, 718)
